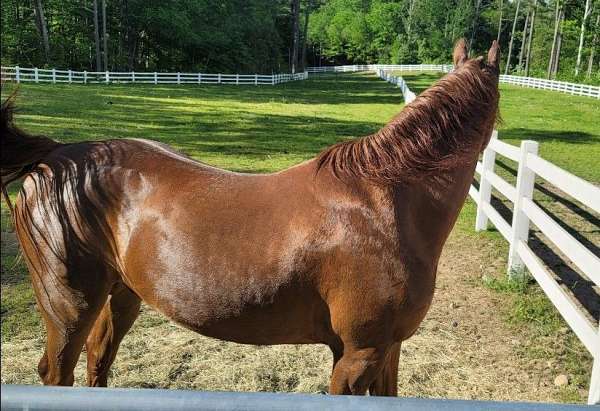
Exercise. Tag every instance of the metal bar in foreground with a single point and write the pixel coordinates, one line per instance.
(34, 398)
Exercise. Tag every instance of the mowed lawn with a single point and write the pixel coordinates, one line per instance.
(268, 128)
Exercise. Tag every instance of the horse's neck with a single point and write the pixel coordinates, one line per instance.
(429, 210)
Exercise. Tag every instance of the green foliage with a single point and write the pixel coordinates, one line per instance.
(248, 36)
(207, 35)
(424, 31)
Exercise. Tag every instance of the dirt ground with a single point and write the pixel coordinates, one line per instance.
(464, 349)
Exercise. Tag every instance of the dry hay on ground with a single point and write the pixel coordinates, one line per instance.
(464, 349)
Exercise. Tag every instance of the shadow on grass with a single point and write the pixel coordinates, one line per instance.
(215, 119)
(541, 136)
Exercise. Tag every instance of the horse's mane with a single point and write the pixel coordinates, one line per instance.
(438, 131)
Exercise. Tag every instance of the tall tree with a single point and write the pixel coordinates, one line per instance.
(512, 38)
(500, 22)
(523, 40)
(594, 46)
(97, 37)
(475, 22)
(558, 43)
(295, 34)
(42, 28)
(307, 10)
(104, 36)
(557, 17)
(530, 38)
(586, 13)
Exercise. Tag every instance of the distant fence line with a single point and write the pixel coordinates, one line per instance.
(531, 82)
(525, 210)
(409, 96)
(36, 75)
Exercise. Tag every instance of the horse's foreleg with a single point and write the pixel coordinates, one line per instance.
(386, 383)
(116, 318)
(356, 370)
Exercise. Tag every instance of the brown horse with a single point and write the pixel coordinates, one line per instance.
(340, 250)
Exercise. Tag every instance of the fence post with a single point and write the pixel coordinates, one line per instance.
(594, 393)
(107, 77)
(155, 77)
(199, 78)
(272, 79)
(70, 76)
(84, 76)
(36, 75)
(53, 76)
(219, 78)
(256, 79)
(178, 78)
(133, 76)
(485, 188)
(520, 222)
(17, 74)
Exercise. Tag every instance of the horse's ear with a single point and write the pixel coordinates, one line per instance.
(460, 54)
(494, 55)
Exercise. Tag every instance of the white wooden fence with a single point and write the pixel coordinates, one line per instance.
(375, 67)
(20, 74)
(409, 96)
(562, 86)
(525, 210)
(516, 232)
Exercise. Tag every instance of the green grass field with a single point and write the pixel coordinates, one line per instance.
(264, 129)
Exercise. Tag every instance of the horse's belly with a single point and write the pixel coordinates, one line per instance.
(250, 314)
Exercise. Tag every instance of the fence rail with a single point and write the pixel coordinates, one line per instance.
(525, 211)
(532, 82)
(35, 398)
(516, 232)
(408, 95)
(20, 74)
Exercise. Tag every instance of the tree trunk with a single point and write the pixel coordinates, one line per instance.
(529, 40)
(295, 34)
(104, 36)
(499, 23)
(474, 28)
(97, 37)
(594, 46)
(558, 44)
(512, 38)
(18, 30)
(408, 23)
(586, 13)
(305, 37)
(554, 40)
(523, 39)
(42, 28)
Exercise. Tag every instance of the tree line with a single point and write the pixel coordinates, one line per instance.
(252, 36)
(542, 38)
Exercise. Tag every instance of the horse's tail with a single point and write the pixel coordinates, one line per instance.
(20, 152)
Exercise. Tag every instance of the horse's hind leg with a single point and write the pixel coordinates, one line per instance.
(386, 383)
(69, 313)
(115, 319)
